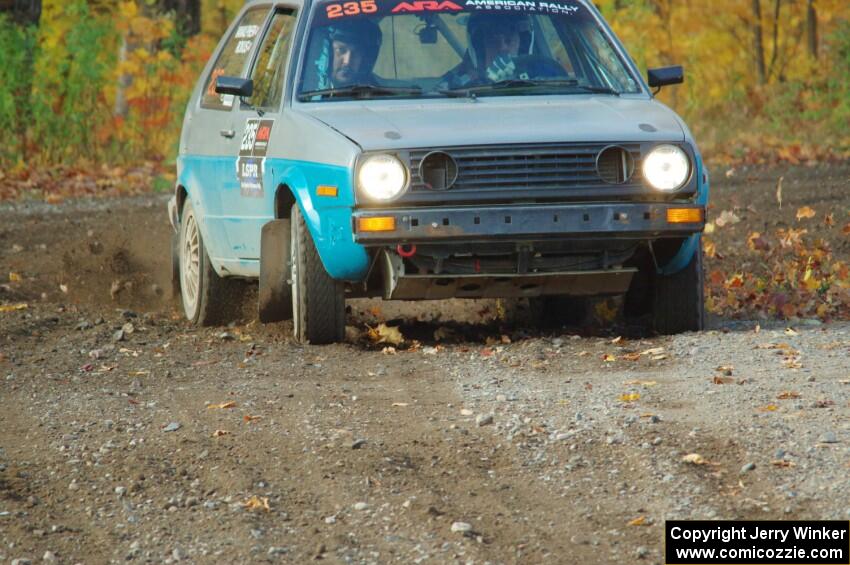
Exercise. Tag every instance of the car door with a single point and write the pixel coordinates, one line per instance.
(209, 131)
(248, 185)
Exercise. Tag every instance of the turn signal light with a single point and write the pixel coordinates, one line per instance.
(325, 190)
(377, 223)
(684, 215)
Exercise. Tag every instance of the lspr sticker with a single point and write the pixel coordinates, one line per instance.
(250, 166)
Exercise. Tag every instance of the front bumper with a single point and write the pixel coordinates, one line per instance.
(529, 222)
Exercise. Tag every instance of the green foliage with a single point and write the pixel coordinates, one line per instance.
(68, 96)
(18, 47)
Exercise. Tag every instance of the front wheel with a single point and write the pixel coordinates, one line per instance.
(207, 298)
(679, 300)
(318, 300)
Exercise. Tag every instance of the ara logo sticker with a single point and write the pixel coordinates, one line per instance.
(426, 6)
(250, 166)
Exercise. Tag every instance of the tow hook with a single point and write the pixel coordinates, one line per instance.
(406, 251)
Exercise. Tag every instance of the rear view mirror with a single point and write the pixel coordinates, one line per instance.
(665, 75)
(237, 86)
(428, 35)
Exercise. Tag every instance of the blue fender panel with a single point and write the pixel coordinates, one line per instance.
(690, 246)
(328, 218)
(215, 239)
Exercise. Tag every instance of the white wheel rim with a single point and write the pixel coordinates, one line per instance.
(190, 265)
(293, 275)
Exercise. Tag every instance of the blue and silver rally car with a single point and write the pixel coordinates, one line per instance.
(427, 149)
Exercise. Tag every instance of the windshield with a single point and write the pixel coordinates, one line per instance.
(435, 48)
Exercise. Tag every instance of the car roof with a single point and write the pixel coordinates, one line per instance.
(252, 3)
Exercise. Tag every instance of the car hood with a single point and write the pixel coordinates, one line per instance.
(397, 124)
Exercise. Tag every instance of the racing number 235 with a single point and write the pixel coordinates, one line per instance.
(351, 8)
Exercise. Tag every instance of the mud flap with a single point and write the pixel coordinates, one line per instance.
(275, 302)
(175, 265)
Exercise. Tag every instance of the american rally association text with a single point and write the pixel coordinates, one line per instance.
(726, 534)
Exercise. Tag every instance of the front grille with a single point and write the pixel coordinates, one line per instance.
(512, 167)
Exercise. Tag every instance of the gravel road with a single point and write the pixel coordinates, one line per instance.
(127, 435)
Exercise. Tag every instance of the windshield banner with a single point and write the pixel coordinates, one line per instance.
(337, 11)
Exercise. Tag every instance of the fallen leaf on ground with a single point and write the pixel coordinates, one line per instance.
(13, 307)
(805, 212)
(792, 363)
(769, 408)
(608, 358)
(639, 521)
(230, 404)
(401, 404)
(630, 397)
(219, 433)
(15, 277)
(718, 380)
(788, 395)
(606, 310)
(617, 339)
(389, 350)
(782, 463)
(791, 331)
(727, 217)
(653, 351)
(383, 333)
(257, 503)
(779, 191)
(631, 357)
(641, 383)
(694, 459)
(249, 418)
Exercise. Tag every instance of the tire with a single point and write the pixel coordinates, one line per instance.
(318, 301)
(207, 298)
(678, 299)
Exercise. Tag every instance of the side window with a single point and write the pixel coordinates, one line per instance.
(232, 58)
(269, 70)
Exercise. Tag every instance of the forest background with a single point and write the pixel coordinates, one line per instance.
(92, 82)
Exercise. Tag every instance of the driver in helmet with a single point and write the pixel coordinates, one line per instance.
(494, 42)
(349, 54)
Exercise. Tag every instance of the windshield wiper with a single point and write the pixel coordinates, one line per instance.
(525, 83)
(359, 90)
(599, 89)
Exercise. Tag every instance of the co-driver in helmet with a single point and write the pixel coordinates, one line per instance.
(494, 42)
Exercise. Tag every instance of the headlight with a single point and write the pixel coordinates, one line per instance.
(381, 177)
(667, 167)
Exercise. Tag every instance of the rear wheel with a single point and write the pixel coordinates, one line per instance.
(207, 298)
(318, 300)
(678, 299)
